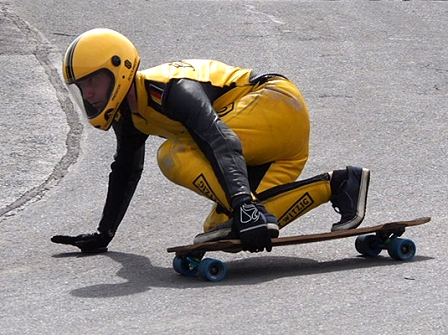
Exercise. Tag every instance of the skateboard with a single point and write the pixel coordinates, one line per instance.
(370, 241)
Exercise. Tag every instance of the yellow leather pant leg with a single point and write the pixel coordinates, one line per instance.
(290, 201)
(182, 162)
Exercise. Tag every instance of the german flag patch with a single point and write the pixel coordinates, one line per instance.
(156, 94)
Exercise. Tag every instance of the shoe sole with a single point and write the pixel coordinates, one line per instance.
(212, 236)
(362, 203)
(224, 234)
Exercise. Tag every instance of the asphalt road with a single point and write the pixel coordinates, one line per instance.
(375, 76)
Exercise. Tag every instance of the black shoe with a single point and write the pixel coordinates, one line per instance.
(350, 199)
(224, 231)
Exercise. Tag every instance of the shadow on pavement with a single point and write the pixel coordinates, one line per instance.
(141, 275)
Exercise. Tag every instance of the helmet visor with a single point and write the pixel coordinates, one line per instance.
(92, 93)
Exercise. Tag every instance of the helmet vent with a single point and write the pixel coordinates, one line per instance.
(108, 113)
(116, 61)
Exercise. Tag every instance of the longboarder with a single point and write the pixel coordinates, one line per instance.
(233, 135)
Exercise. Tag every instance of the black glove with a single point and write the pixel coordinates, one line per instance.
(252, 226)
(88, 243)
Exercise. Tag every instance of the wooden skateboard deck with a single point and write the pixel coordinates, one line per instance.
(235, 245)
(188, 260)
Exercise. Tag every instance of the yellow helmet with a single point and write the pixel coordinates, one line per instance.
(100, 57)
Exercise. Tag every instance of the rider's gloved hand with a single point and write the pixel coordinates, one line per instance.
(252, 226)
(88, 243)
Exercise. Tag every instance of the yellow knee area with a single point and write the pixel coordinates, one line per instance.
(182, 162)
(168, 157)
